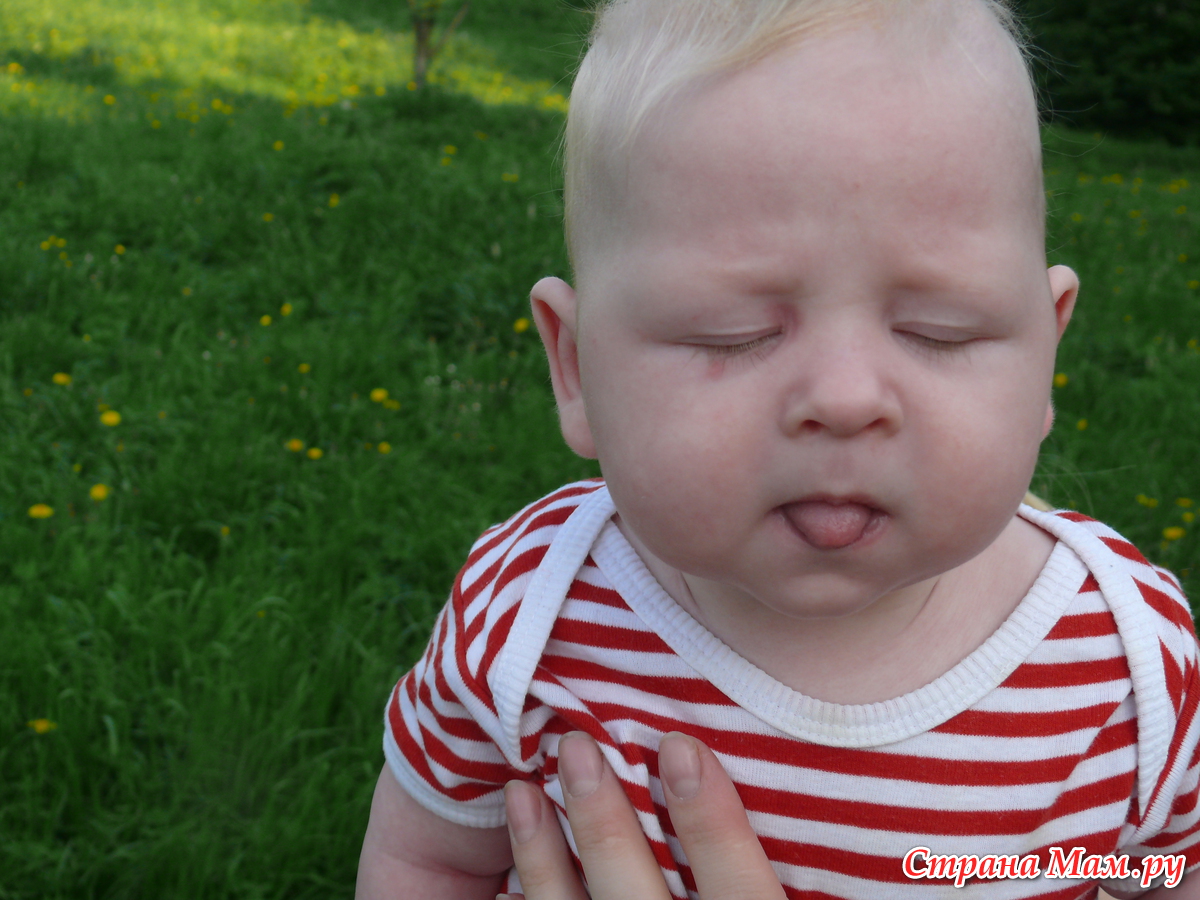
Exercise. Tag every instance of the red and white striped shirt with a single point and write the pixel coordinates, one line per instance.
(1074, 725)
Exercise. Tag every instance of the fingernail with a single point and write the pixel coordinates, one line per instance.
(523, 810)
(679, 764)
(580, 764)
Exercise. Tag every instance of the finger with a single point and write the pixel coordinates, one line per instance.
(616, 858)
(540, 851)
(726, 858)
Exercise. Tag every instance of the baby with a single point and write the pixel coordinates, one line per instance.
(810, 341)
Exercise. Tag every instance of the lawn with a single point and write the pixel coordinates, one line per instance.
(267, 371)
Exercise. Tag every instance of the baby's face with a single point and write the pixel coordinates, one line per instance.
(815, 357)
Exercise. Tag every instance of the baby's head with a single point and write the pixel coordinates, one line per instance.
(812, 333)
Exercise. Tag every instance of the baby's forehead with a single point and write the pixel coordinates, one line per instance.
(957, 60)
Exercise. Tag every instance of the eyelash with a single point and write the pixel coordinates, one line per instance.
(737, 349)
(936, 347)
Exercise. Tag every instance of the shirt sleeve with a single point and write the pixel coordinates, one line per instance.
(443, 738)
(1178, 787)
(440, 723)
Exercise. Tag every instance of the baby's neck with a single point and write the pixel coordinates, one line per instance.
(920, 634)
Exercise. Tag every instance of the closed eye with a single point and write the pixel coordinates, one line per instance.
(937, 345)
(737, 349)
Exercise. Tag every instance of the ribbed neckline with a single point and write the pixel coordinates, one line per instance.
(836, 724)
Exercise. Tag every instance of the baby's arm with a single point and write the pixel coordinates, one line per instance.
(409, 852)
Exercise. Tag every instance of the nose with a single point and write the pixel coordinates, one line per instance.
(839, 387)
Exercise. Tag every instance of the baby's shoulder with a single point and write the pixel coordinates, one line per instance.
(506, 554)
(1142, 595)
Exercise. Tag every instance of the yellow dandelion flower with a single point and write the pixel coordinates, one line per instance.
(110, 417)
(1185, 502)
(412, 85)
(28, 392)
(41, 726)
(99, 492)
(262, 613)
(45, 245)
(315, 452)
(1148, 502)
(286, 309)
(119, 249)
(1189, 517)
(391, 404)
(521, 325)
(278, 145)
(60, 242)
(1060, 380)
(1193, 285)
(61, 378)
(480, 136)
(268, 217)
(295, 445)
(304, 368)
(445, 160)
(162, 413)
(384, 447)
(264, 320)
(1183, 257)
(510, 177)
(1180, 210)
(378, 395)
(1082, 424)
(449, 149)
(187, 292)
(1076, 217)
(334, 200)
(224, 531)
(41, 511)
(1174, 533)
(77, 468)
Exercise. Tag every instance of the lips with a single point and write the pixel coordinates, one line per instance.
(831, 524)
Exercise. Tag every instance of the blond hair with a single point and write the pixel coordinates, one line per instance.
(641, 52)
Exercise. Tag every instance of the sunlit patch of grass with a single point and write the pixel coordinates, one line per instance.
(211, 51)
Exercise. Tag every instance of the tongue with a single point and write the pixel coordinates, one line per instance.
(828, 526)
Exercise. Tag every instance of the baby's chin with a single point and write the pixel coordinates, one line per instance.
(814, 597)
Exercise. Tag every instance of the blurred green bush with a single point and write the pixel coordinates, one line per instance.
(1129, 67)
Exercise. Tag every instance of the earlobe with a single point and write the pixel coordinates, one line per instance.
(1064, 287)
(555, 311)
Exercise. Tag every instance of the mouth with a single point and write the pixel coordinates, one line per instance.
(832, 523)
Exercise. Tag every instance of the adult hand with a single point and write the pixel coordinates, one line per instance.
(724, 853)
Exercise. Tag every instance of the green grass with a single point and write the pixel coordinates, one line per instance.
(214, 640)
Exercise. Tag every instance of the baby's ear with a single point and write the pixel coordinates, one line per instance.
(1064, 287)
(555, 311)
